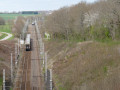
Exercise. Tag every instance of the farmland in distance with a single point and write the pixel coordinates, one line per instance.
(13, 16)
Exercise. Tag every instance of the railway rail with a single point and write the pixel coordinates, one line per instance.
(29, 73)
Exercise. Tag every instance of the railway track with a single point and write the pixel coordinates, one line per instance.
(35, 63)
(25, 81)
(30, 70)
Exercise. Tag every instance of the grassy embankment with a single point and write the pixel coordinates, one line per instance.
(5, 28)
(79, 65)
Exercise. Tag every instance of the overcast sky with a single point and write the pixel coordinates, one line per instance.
(24, 5)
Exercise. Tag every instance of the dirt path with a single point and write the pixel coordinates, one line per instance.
(7, 37)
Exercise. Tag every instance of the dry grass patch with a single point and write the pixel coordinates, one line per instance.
(6, 48)
(86, 66)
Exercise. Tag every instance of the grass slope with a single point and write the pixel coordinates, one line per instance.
(6, 28)
(3, 36)
(85, 66)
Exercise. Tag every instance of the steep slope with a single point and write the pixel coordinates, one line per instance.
(6, 48)
(84, 66)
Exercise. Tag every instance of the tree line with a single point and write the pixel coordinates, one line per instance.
(86, 21)
(16, 25)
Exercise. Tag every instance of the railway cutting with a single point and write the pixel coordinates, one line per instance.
(29, 70)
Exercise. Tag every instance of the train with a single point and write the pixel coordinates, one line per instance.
(33, 23)
(28, 42)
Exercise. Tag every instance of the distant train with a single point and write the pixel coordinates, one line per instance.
(28, 42)
(33, 23)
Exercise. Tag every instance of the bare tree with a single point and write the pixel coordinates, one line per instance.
(18, 26)
(2, 21)
(69, 22)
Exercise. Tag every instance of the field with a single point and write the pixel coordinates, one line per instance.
(3, 36)
(13, 16)
(5, 28)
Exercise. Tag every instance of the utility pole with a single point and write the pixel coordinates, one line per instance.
(43, 54)
(50, 79)
(18, 46)
(20, 40)
(3, 79)
(46, 67)
(41, 46)
(15, 55)
(11, 69)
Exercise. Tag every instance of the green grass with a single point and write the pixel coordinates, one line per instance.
(1, 80)
(11, 37)
(105, 69)
(109, 42)
(5, 28)
(3, 36)
(13, 16)
(1, 59)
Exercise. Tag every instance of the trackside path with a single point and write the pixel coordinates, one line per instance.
(7, 37)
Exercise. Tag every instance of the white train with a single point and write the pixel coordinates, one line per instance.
(28, 42)
(33, 23)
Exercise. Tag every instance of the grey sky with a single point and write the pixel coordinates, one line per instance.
(20, 5)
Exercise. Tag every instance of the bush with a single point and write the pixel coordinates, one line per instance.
(2, 21)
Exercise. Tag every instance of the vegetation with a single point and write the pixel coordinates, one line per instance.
(18, 26)
(5, 28)
(84, 65)
(1, 59)
(11, 26)
(11, 37)
(88, 65)
(3, 36)
(81, 22)
(1, 80)
(13, 16)
(14, 27)
(2, 21)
